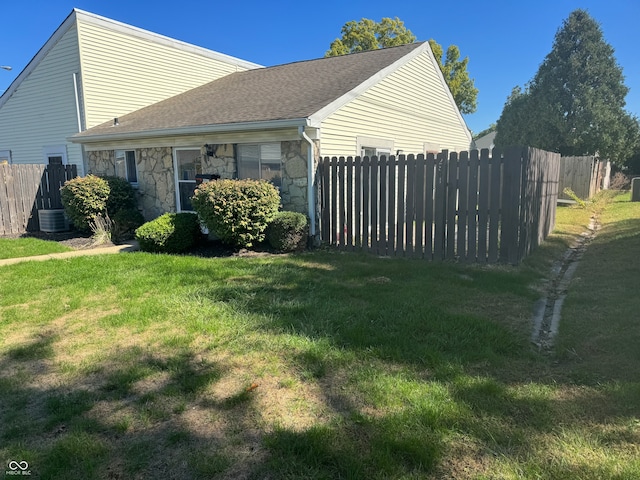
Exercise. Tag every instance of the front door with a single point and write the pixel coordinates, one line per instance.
(187, 164)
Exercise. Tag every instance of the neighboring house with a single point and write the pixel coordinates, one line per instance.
(93, 69)
(485, 141)
(275, 122)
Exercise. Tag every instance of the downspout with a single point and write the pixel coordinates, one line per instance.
(311, 178)
(80, 129)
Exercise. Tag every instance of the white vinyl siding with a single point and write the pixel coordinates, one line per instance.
(123, 72)
(42, 110)
(411, 106)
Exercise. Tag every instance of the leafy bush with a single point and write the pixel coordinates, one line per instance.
(237, 211)
(122, 196)
(288, 231)
(125, 222)
(169, 233)
(84, 198)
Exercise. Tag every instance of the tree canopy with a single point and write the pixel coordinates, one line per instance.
(457, 77)
(367, 34)
(574, 104)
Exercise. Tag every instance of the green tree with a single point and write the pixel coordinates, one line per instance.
(482, 133)
(575, 103)
(370, 35)
(457, 77)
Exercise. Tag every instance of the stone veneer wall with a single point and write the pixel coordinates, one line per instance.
(156, 179)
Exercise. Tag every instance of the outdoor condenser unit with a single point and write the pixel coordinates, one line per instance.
(52, 221)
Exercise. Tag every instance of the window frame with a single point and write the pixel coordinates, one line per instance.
(5, 155)
(178, 181)
(125, 153)
(54, 151)
(261, 161)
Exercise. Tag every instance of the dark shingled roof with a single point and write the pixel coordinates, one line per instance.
(283, 92)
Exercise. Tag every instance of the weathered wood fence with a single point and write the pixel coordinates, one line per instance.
(25, 189)
(585, 175)
(471, 206)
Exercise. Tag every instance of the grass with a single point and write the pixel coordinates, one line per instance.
(322, 365)
(28, 247)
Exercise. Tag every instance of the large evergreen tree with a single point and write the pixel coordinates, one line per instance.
(575, 103)
(370, 35)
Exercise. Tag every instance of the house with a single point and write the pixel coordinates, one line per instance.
(93, 69)
(485, 141)
(275, 122)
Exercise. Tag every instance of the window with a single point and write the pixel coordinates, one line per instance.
(188, 164)
(371, 151)
(5, 156)
(126, 165)
(55, 155)
(260, 161)
(370, 146)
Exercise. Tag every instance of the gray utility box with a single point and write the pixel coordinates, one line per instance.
(52, 221)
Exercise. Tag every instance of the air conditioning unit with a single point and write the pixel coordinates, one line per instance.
(52, 221)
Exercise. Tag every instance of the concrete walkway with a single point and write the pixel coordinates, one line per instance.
(125, 247)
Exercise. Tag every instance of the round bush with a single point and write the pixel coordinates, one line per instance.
(288, 231)
(84, 198)
(169, 233)
(237, 211)
(122, 196)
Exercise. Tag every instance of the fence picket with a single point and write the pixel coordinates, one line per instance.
(358, 202)
(401, 211)
(440, 192)
(430, 165)
(452, 197)
(419, 210)
(463, 207)
(366, 211)
(410, 217)
(494, 208)
(349, 229)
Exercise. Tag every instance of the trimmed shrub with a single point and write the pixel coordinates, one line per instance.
(237, 211)
(122, 196)
(169, 233)
(84, 198)
(288, 231)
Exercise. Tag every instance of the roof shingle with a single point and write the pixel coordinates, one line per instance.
(283, 92)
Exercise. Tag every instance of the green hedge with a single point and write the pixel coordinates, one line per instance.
(169, 233)
(85, 198)
(237, 211)
(288, 231)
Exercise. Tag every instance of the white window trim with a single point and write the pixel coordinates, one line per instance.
(5, 154)
(55, 151)
(175, 175)
(382, 145)
(126, 170)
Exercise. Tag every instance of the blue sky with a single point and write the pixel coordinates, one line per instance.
(505, 40)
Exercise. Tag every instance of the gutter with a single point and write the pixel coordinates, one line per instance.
(310, 182)
(85, 137)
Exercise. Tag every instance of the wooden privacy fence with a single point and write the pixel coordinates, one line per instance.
(468, 206)
(25, 189)
(585, 175)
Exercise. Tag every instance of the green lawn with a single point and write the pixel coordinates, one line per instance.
(28, 247)
(318, 365)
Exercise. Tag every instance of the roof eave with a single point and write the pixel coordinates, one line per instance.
(191, 130)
